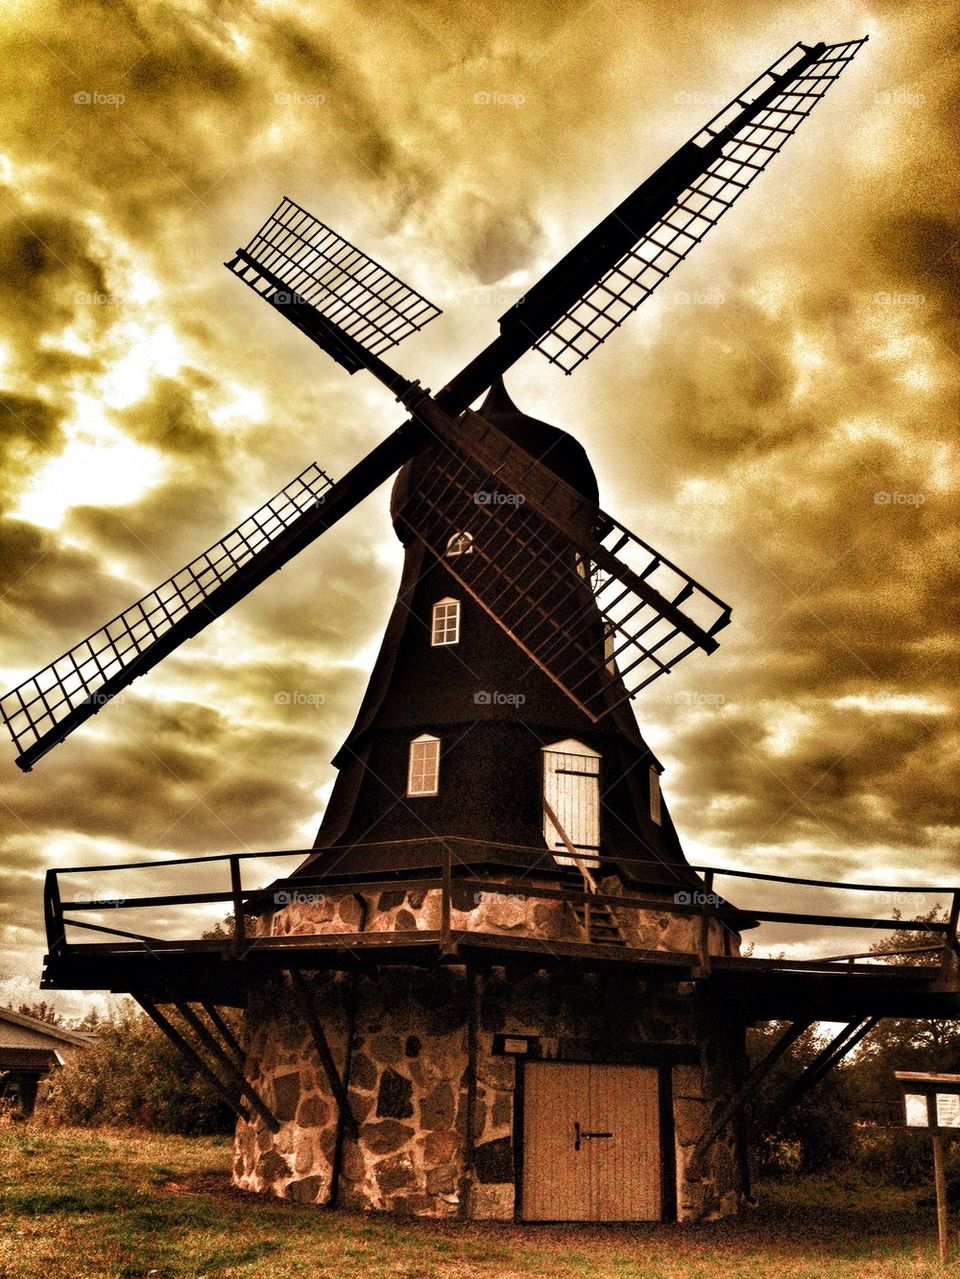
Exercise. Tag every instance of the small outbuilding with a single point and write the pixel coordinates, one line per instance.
(30, 1050)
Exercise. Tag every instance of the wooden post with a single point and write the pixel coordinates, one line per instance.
(236, 888)
(446, 892)
(948, 961)
(705, 922)
(940, 1182)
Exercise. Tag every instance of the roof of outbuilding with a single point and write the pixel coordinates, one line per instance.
(41, 1027)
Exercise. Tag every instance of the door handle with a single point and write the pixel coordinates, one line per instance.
(580, 1135)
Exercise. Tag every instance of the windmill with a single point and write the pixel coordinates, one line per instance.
(512, 573)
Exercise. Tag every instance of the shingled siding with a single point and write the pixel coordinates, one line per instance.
(410, 1085)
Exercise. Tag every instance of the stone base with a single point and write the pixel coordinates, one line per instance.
(422, 1068)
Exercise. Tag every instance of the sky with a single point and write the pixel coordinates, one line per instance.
(780, 419)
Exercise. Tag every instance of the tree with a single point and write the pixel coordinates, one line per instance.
(41, 1011)
(132, 1076)
(818, 1132)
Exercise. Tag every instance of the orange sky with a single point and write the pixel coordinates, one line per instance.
(802, 362)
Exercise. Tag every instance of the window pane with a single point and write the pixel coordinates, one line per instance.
(446, 622)
(423, 774)
(655, 795)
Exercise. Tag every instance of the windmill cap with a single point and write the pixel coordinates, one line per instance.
(557, 449)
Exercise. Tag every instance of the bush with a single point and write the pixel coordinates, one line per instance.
(132, 1076)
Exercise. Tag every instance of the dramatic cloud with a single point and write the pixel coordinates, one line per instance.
(780, 418)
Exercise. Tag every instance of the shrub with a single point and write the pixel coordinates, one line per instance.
(131, 1075)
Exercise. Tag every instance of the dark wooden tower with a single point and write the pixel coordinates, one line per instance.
(498, 726)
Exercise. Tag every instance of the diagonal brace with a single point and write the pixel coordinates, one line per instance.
(323, 1052)
(748, 1088)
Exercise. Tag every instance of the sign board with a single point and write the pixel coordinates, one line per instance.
(931, 1101)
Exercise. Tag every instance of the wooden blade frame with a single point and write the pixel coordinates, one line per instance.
(652, 232)
(354, 308)
(596, 608)
(44, 709)
(306, 262)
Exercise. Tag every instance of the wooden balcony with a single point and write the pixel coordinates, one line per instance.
(87, 949)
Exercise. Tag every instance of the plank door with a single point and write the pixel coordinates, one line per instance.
(609, 1178)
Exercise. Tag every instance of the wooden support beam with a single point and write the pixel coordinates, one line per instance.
(705, 917)
(233, 1071)
(747, 1088)
(187, 1049)
(239, 923)
(337, 1085)
(829, 1056)
(226, 1033)
(446, 894)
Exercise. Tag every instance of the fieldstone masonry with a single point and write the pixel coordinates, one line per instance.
(414, 1085)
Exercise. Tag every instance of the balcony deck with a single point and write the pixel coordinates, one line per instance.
(219, 969)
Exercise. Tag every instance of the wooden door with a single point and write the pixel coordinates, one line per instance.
(591, 1143)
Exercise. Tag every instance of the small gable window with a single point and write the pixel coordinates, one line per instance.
(446, 623)
(423, 771)
(655, 795)
(460, 544)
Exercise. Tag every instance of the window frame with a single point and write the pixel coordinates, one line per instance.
(415, 766)
(656, 796)
(460, 543)
(443, 628)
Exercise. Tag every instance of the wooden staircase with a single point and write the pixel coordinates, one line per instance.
(599, 924)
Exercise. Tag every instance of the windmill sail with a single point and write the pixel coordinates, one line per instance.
(328, 287)
(44, 709)
(611, 272)
(600, 611)
(651, 614)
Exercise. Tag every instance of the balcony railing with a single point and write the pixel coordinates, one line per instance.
(453, 869)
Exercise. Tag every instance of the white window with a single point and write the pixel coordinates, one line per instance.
(446, 622)
(571, 788)
(655, 795)
(460, 544)
(423, 773)
(610, 647)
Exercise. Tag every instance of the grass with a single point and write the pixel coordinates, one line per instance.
(76, 1204)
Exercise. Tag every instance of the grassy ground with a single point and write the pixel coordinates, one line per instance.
(90, 1205)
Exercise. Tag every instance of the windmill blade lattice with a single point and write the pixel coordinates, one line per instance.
(86, 676)
(727, 155)
(597, 609)
(296, 259)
